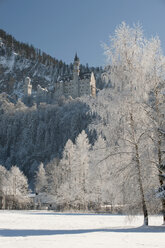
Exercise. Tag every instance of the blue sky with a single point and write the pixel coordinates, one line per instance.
(62, 27)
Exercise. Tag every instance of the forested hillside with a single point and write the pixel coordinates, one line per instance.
(32, 135)
(19, 60)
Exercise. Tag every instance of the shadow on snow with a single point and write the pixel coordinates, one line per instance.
(25, 233)
(72, 214)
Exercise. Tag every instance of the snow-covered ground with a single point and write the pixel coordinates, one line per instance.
(38, 229)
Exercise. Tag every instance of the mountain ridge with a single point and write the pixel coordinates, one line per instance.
(19, 60)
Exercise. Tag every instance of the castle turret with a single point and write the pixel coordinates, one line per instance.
(27, 87)
(76, 69)
(93, 85)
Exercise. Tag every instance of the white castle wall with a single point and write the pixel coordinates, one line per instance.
(27, 87)
(75, 88)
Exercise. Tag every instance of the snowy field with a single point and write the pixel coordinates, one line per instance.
(38, 229)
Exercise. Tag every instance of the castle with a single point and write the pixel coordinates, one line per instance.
(75, 85)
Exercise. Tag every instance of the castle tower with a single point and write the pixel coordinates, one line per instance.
(93, 85)
(76, 70)
(27, 87)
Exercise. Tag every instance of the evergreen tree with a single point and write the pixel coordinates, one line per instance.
(41, 180)
(53, 176)
(80, 169)
(18, 182)
(66, 188)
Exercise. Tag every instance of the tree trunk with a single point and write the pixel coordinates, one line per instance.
(144, 206)
(159, 150)
(138, 165)
(163, 210)
(160, 180)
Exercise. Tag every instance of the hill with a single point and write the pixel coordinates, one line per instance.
(33, 134)
(19, 60)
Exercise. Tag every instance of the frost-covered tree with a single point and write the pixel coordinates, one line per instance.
(65, 190)
(14, 187)
(18, 182)
(125, 57)
(53, 176)
(3, 180)
(80, 169)
(40, 180)
(128, 56)
(98, 172)
(67, 161)
(17, 188)
(155, 105)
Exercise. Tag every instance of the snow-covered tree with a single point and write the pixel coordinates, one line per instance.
(41, 180)
(3, 180)
(80, 169)
(67, 161)
(53, 176)
(154, 107)
(18, 182)
(17, 188)
(98, 171)
(65, 190)
(128, 55)
(14, 187)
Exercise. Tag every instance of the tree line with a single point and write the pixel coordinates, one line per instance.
(34, 54)
(27, 51)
